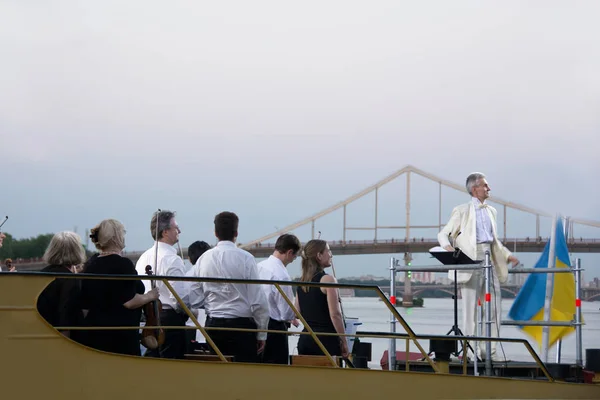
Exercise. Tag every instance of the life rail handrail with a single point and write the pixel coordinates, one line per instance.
(410, 335)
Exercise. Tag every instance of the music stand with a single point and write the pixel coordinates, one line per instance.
(453, 258)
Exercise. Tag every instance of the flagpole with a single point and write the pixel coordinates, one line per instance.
(559, 343)
(549, 284)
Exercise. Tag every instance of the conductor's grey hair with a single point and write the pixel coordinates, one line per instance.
(164, 223)
(472, 180)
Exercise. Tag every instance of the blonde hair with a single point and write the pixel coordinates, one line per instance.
(108, 234)
(310, 264)
(65, 248)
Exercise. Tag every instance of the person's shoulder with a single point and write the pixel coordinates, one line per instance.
(55, 268)
(145, 254)
(244, 253)
(328, 279)
(462, 207)
(126, 262)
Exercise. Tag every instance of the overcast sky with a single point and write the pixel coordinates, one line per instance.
(276, 110)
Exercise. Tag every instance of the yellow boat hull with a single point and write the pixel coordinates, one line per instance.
(38, 362)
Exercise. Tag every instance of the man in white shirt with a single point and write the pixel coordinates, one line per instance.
(169, 264)
(274, 269)
(472, 227)
(230, 305)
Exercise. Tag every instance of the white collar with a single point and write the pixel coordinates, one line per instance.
(165, 247)
(476, 201)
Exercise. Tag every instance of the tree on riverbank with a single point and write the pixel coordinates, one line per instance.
(33, 247)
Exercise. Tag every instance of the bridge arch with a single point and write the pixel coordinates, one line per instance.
(593, 297)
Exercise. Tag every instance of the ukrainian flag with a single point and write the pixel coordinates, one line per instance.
(529, 303)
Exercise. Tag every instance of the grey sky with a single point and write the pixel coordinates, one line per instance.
(276, 110)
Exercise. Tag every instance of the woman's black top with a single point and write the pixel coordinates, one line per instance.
(104, 301)
(315, 310)
(314, 307)
(59, 303)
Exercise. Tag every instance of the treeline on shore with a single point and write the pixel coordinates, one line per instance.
(33, 247)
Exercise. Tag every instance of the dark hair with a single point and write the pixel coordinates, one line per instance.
(164, 223)
(196, 249)
(310, 265)
(226, 225)
(286, 243)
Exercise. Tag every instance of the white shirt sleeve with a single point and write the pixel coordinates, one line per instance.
(196, 289)
(175, 267)
(285, 311)
(257, 299)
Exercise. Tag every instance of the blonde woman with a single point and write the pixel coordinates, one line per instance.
(320, 306)
(113, 302)
(59, 302)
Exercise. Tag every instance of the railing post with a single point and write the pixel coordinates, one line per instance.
(392, 347)
(578, 330)
(488, 312)
(549, 284)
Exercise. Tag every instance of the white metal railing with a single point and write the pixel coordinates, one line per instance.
(487, 266)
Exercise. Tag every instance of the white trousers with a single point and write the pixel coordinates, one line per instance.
(474, 289)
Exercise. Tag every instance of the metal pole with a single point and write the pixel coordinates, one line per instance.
(488, 314)
(578, 331)
(478, 330)
(559, 343)
(407, 205)
(537, 226)
(548, 300)
(313, 229)
(440, 208)
(392, 347)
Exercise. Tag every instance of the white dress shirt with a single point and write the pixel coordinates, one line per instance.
(483, 223)
(169, 264)
(272, 269)
(229, 300)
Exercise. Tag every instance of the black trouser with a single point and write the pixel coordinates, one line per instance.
(277, 350)
(175, 339)
(307, 346)
(241, 345)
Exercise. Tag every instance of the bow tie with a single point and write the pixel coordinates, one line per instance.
(483, 205)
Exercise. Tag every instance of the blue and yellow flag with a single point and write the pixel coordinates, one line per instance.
(529, 303)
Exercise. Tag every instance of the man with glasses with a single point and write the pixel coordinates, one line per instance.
(281, 315)
(169, 264)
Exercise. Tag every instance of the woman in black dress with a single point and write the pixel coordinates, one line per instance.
(59, 302)
(112, 302)
(320, 306)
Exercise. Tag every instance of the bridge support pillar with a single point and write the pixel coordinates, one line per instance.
(407, 296)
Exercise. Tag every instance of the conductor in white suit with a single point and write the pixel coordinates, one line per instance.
(472, 229)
